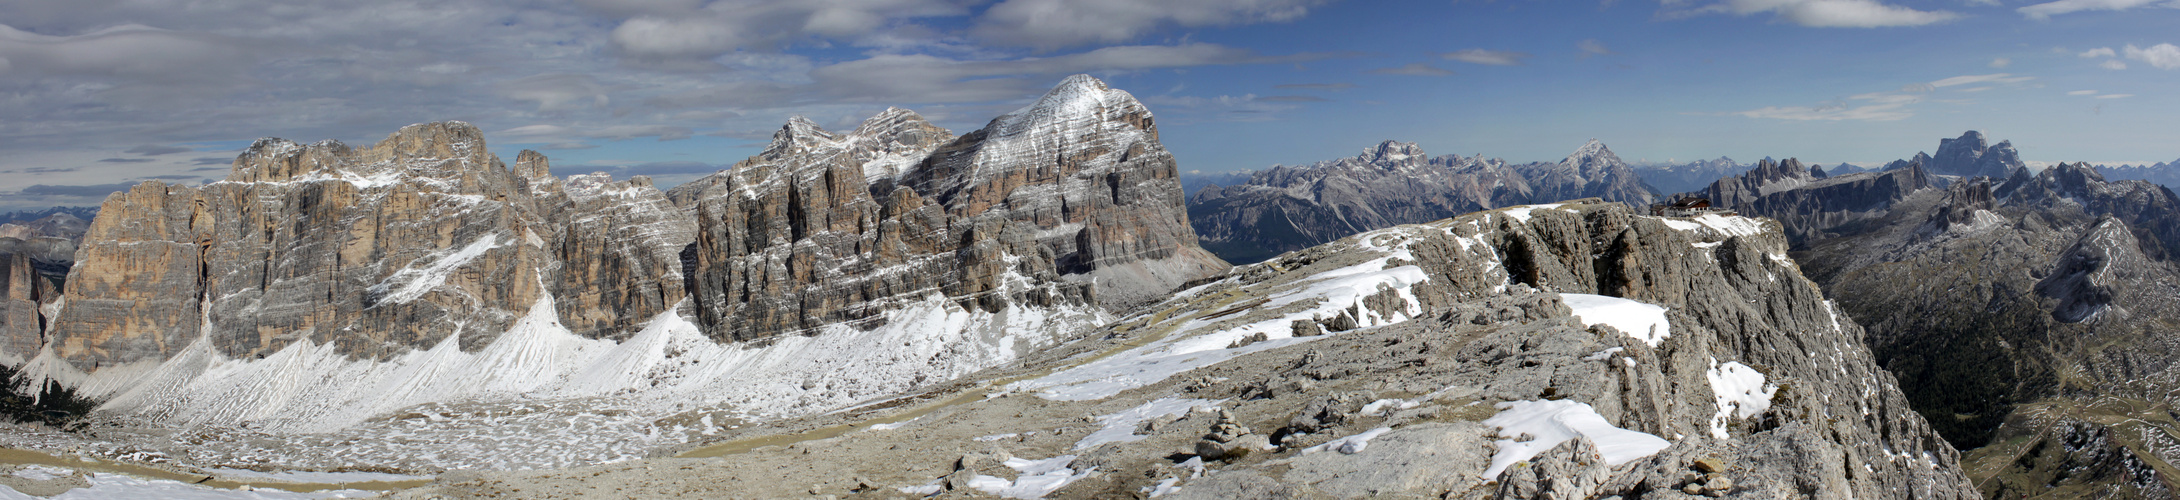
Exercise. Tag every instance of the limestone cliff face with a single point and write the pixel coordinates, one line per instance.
(422, 237)
(1072, 196)
(25, 297)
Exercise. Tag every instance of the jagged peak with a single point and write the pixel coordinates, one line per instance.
(1392, 151)
(799, 133)
(1589, 149)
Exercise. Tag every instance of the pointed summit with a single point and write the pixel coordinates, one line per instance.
(797, 135)
(1077, 100)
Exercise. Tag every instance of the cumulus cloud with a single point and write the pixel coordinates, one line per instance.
(2098, 52)
(1488, 57)
(2162, 56)
(1412, 69)
(1830, 13)
(2044, 11)
(1064, 23)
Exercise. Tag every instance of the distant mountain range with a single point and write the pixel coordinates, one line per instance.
(2164, 174)
(2027, 314)
(1287, 208)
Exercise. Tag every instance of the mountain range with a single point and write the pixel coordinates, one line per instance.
(1288, 208)
(1034, 309)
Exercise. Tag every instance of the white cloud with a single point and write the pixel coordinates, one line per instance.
(557, 92)
(922, 78)
(128, 52)
(1592, 47)
(2115, 96)
(1882, 106)
(2044, 11)
(1833, 13)
(1064, 23)
(2098, 52)
(2163, 55)
(670, 29)
(1488, 57)
(1990, 78)
(2113, 64)
(1412, 69)
(2001, 62)
(2082, 92)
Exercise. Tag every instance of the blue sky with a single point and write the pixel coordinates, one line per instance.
(105, 93)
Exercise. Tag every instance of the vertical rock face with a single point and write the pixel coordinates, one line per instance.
(24, 295)
(1970, 156)
(1069, 200)
(422, 237)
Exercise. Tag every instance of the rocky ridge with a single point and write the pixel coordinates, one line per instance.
(2010, 307)
(1475, 357)
(1810, 204)
(1288, 208)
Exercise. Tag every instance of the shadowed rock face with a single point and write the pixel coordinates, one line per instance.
(1072, 193)
(423, 237)
(1811, 206)
(1970, 156)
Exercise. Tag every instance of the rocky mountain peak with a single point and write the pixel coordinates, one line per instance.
(1970, 155)
(2085, 278)
(1390, 153)
(799, 134)
(1591, 155)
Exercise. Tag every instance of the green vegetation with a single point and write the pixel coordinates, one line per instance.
(46, 402)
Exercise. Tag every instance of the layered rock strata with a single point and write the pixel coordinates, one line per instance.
(420, 238)
(1072, 193)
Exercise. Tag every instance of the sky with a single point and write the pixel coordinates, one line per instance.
(98, 95)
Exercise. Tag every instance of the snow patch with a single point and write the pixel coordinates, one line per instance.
(1349, 445)
(411, 283)
(1120, 427)
(110, 486)
(1038, 478)
(1644, 322)
(1549, 423)
(1741, 392)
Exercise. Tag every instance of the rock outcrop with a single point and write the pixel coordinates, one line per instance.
(1501, 354)
(1072, 195)
(1811, 205)
(2003, 303)
(1287, 208)
(379, 251)
(1971, 156)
